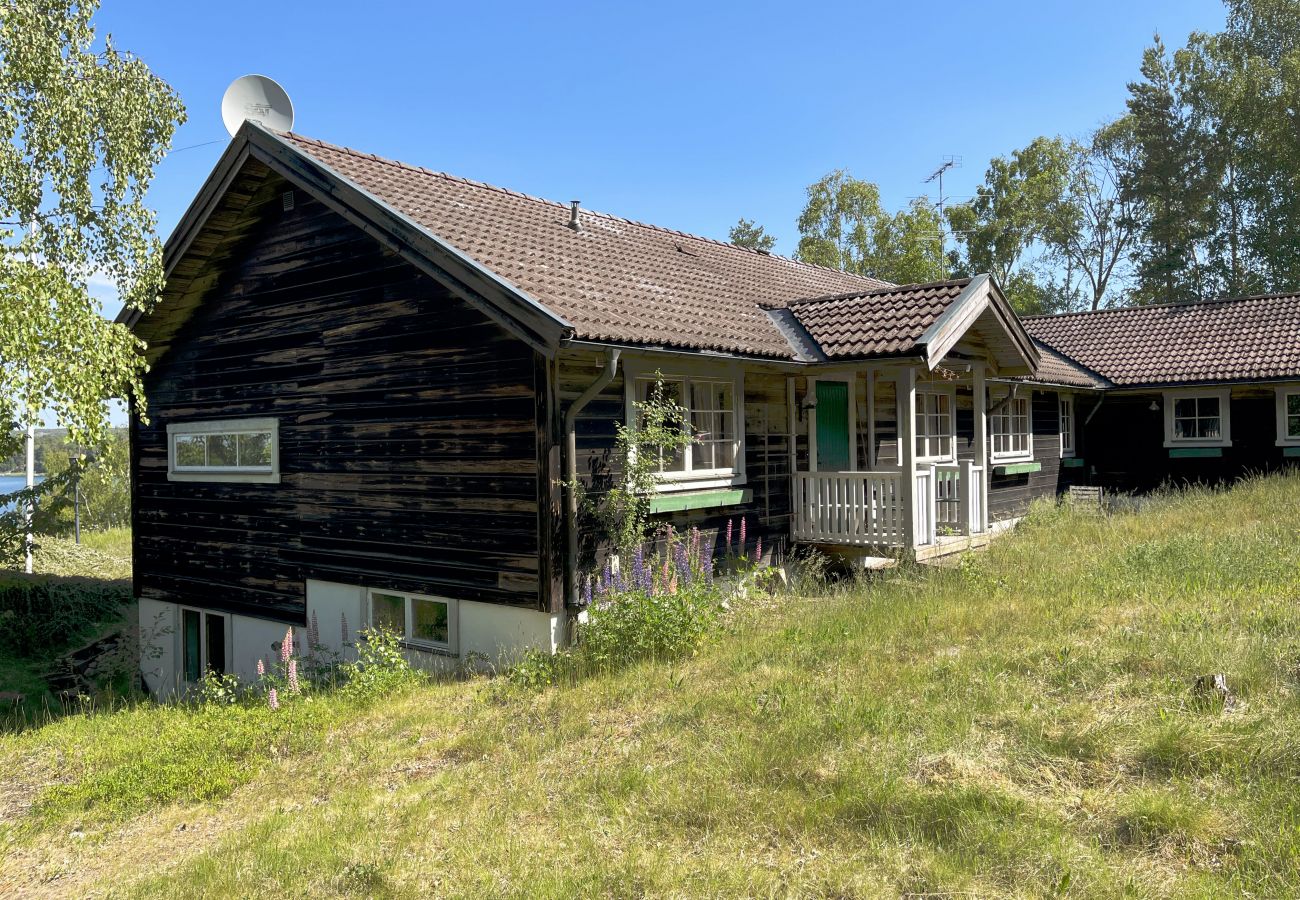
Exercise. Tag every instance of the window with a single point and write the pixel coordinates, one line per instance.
(428, 622)
(203, 644)
(1067, 425)
(1288, 415)
(1009, 426)
(1197, 418)
(935, 426)
(232, 450)
(715, 454)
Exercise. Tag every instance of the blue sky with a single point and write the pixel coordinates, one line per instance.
(687, 115)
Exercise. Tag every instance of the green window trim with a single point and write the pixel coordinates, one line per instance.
(1195, 452)
(1017, 468)
(700, 500)
(1292, 452)
(1072, 462)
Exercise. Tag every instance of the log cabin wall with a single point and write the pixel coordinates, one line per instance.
(767, 455)
(409, 429)
(1126, 438)
(1011, 495)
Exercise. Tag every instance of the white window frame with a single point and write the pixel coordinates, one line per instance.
(246, 474)
(635, 371)
(1223, 395)
(936, 391)
(1068, 435)
(204, 662)
(453, 619)
(1284, 391)
(1008, 456)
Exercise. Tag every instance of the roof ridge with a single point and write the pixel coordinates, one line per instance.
(884, 289)
(880, 284)
(1190, 304)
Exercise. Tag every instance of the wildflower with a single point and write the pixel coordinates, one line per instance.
(728, 536)
(663, 576)
(586, 591)
(272, 699)
(672, 584)
(261, 669)
(682, 563)
(639, 573)
(293, 676)
(313, 632)
(344, 631)
(742, 536)
(758, 550)
(286, 646)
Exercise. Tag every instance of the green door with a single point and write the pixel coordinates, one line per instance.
(833, 427)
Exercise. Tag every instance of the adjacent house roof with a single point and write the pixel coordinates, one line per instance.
(1056, 368)
(613, 279)
(1241, 339)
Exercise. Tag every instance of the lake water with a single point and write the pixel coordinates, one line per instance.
(11, 483)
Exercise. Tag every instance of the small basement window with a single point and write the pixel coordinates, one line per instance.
(421, 621)
(232, 450)
(1067, 425)
(1197, 419)
(203, 644)
(1011, 432)
(1288, 416)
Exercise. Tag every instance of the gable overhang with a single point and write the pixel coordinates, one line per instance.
(981, 306)
(511, 307)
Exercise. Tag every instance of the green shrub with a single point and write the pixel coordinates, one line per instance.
(380, 666)
(37, 616)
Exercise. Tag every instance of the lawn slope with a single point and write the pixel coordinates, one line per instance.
(1023, 725)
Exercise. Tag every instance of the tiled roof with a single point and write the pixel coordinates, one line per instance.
(1242, 339)
(1055, 367)
(885, 321)
(614, 280)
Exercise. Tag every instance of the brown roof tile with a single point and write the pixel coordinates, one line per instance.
(615, 280)
(1055, 367)
(885, 321)
(1240, 339)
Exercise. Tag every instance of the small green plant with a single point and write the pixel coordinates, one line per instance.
(219, 689)
(380, 665)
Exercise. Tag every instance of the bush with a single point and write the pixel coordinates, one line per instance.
(40, 616)
(380, 666)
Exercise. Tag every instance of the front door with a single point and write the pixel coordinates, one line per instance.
(833, 427)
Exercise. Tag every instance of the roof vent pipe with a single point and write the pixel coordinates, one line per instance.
(573, 216)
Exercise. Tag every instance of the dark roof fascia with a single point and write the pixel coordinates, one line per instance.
(1148, 387)
(981, 294)
(473, 282)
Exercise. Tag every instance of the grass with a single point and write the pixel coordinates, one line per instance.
(101, 554)
(1022, 725)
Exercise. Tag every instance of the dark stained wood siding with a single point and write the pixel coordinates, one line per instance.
(1011, 495)
(767, 455)
(409, 431)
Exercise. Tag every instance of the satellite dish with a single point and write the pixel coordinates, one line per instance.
(258, 99)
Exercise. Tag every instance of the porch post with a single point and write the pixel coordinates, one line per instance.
(907, 453)
(981, 442)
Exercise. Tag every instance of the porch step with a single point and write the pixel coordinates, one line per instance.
(945, 550)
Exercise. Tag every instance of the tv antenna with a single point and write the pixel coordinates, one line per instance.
(949, 162)
(259, 99)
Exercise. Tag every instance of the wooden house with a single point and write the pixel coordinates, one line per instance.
(369, 384)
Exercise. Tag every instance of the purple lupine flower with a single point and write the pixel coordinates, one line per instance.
(261, 669)
(683, 563)
(728, 537)
(343, 618)
(586, 591)
(286, 646)
(743, 543)
(313, 632)
(272, 699)
(293, 676)
(639, 580)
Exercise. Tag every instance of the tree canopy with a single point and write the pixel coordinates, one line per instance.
(746, 234)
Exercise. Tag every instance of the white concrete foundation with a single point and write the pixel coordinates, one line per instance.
(490, 636)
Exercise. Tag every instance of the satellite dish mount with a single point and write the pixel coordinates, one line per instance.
(259, 99)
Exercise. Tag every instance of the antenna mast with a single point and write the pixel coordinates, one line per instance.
(949, 162)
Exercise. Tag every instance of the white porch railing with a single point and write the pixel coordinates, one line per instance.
(866, 508)
(852, 508)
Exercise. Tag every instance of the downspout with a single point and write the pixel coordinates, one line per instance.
(571, 473)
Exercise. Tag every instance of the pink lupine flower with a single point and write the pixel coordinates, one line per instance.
(672, 584)
(728, 535)
(261, 669)
(758, 550)
(286, 646)
(293, 676)
(272, 699)
(313, 632)
(663, 576)
(344, 620)
(742, 536)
